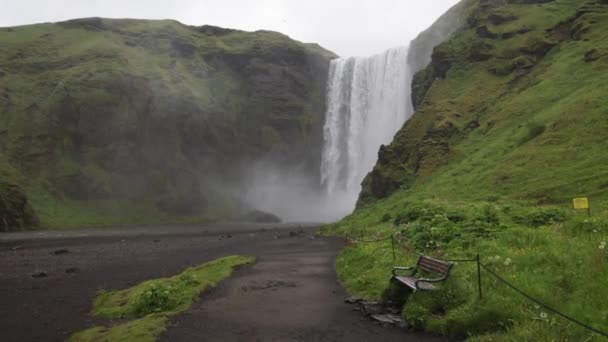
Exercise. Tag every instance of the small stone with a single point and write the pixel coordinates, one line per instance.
(229, 236)
(38, 275)
(16, 248)
(156, 241)
(394, 311)
(61, 252)
(293, 234)
(371, 308)
(353, 300)
(382, 319)
(395, 318)
(72, 270)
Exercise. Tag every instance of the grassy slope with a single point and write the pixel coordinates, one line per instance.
(489, 164)
(151, 303)
(86, 104)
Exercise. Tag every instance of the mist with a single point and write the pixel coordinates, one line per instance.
(292, 193)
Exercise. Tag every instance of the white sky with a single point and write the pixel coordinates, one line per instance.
(347, 27)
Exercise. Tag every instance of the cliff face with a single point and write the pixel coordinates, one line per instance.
(155, 111)
(510, 105)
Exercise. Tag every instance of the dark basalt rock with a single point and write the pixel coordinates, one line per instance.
(497, 18)
(594, 54)
(260, 217)
(15, 210)
(39, 275)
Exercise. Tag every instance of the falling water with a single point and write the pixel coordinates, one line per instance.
(368, 100)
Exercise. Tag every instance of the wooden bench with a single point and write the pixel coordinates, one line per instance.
(439, 271)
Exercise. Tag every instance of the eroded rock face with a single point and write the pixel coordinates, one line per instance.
(166, 114)
(479, 42)
(15, 210)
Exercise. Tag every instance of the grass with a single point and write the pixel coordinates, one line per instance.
(489, 164)
(137, 112)
(551, 253)
(149, 305)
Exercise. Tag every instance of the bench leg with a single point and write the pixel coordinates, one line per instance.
(396, 294)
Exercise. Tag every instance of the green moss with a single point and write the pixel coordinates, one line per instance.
(489, 164)
(149, 115)
(552, 254)
(151, 303)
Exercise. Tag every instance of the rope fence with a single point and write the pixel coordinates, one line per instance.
(546, 306)
(481, 266)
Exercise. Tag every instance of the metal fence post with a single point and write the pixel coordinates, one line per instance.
(479, 276)
(393, 246)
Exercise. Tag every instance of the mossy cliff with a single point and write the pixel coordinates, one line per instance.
(511, 123)
(512, 105)
(141, 120)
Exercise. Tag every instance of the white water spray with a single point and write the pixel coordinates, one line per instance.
(368, 100)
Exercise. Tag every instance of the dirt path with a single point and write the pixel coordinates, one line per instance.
(290, 294)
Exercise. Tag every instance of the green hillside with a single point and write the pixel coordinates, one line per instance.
(510, 125)
(134, 121)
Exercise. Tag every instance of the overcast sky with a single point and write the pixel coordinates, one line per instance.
(347, 27)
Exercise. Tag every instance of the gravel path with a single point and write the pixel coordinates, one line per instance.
(290, 294)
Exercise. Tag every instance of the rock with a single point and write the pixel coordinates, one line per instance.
(382, 319)
(61, 252)
(594, 54)
(16, 212)
(389, 319)
(38, 275)
(258, 216)
(403, 325)
(72, 270)
(394, 311)
(371, 308)
(353, 300)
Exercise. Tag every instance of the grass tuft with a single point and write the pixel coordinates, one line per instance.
(150, 304)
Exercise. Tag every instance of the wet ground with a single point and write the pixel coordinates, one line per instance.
(290, 294)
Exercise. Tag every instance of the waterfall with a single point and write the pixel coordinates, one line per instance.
(368, 101)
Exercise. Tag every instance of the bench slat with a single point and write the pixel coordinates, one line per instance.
(434, 266)
(411, 282)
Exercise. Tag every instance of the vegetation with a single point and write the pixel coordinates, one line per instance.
(509, 127)
(554, 254)
(149, 305)
(153, 117)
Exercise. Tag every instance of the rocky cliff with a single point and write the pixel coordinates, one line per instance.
(508, 106)
(159, 116)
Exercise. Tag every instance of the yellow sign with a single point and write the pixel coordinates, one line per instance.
(581, 203)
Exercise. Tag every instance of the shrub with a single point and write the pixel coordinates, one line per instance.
(534, 130)
(587, 225)
(386, 217)
(415, 212)
(456, 216)
(488, 214)
(539, 217)
(156, 298)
